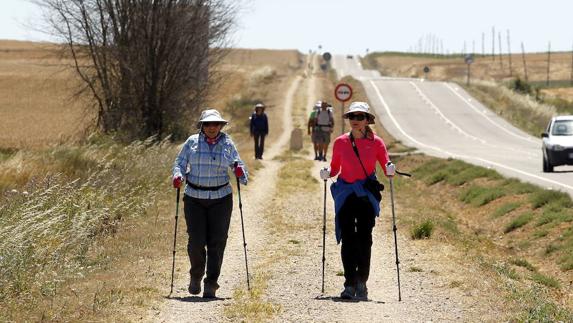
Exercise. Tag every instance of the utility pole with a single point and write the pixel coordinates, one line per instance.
(571, 81)
(493, 43)
(483, 44)
(524, 63)
(509, 53)
(548, 62)
(500, 52)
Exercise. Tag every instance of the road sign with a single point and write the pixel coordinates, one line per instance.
(469, 59)
(343, 92)
(326, 56)
(426, 69)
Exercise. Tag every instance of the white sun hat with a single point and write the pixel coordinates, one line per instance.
(211, 115)
(318, 104)
(360, 107)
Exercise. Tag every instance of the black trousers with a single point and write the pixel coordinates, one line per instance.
(356, 220)
(207, 227)
(259, 144)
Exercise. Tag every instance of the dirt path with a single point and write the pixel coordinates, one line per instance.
(284, 236)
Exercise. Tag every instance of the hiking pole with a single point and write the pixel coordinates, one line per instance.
(175, 239)
(323, 236)
(243, 228)
(395, 239)
(391, 179)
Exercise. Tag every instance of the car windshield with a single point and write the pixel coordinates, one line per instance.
(563, 128)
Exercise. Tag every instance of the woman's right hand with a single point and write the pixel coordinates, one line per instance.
(177, 181)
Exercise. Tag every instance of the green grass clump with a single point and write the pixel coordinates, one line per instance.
(545, 280)
(422, 230)
(455, 172)
(479, 195)
(550, 216)
(515, 186)
(554, 198)
(504, 270)
(470, 173)
(523, 263)
(519, 221)
(505, 208)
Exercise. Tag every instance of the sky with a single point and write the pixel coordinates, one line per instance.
(355, 26)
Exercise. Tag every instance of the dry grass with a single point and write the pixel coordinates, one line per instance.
(36, 90)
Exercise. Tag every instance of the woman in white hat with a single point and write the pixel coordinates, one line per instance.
(356, 207)
(203, 163)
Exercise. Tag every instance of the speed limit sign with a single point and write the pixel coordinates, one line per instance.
(343, 92)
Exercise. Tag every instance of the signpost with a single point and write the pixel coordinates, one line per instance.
(343, 93)
(469, 59)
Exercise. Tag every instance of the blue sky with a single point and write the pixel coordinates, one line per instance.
(353, 26)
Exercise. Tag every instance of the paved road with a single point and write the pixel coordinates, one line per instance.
(441, 119)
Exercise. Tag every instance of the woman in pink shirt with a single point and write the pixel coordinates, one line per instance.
(356, 208)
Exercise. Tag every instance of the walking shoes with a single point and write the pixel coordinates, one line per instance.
(348, 292)
(210, 290)
(361, 292)
(195, 286)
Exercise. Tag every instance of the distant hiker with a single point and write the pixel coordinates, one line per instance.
(324, 125)
(311, 127)
(203, 164)
(356, 207)
(259, 129)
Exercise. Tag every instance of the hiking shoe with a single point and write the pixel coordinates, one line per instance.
(316, 158)
(348, 292)
(210, 291)
(195, 286)
(324, 158)
(362, 292)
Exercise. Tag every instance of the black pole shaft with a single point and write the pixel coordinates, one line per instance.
(175, 239)
(324, 236)
(395, 238)
(243, 230)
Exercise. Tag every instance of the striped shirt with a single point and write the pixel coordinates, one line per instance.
(207, 165)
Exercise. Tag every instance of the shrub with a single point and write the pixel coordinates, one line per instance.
(523, 263)
(479, 195)
(554, 198)
(545, 280)
(423, 230)
(505, 208)
(520, 86)
(518, 222)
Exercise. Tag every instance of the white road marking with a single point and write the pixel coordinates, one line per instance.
(483, 113)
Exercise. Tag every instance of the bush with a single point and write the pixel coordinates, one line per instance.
(423, 230)
(518, 222)
(479, 195)
(555, 198)
(545, 280)
(505, 208)
(520, 86)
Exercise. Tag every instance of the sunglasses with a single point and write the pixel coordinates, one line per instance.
(357, 116)
(211, 124)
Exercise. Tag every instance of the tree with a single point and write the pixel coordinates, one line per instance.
(146, 63)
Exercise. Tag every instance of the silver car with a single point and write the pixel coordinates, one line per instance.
(558, 143)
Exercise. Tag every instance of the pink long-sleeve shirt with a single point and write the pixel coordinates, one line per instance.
(344, 159)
